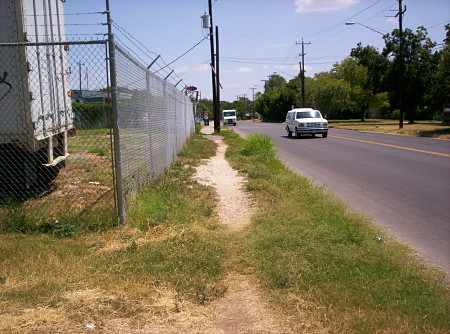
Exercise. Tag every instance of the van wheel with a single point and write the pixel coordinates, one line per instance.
(297, 134)
(289, 132)
(324, 135)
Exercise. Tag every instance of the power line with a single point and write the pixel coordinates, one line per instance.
(341, 22)
(192, 48)
(266, 63)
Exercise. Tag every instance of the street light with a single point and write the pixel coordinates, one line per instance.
(350, 23)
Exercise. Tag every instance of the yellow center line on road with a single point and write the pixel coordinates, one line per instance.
(394, 146)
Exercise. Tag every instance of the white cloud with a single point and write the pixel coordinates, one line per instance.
(244, 70)
(309, 6)
(392, 19)
(238, 70)
(186, 69)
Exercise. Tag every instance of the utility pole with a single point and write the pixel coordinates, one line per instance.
(265, 85)
(217, 113)
(303, 70)
(213, 67)
(253, 93)
(400, 13)
(79, 72)
(245, 103)
(253, 99)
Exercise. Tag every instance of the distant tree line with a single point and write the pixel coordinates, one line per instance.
(369, 79)
(242, 105)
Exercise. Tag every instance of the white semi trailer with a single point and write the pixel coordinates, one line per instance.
(35, 107)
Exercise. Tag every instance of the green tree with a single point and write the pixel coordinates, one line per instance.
(376, 65)
(331, 94)
(418, 69)
(274, 104)
(275, 81)
(205, 105)
(361, 96)
(438, 96)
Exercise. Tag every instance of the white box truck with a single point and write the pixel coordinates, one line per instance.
(35, 107)
(230, 117)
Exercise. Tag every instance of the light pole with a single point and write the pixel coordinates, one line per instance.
(350, 23)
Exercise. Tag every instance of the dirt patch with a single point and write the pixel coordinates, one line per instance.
(234, 205)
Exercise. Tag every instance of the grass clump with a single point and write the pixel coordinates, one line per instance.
(258, 145)
(98, 150)
(17, 219)
(327, 266)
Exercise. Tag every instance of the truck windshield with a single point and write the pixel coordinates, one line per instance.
(308, 114)
(229, 113)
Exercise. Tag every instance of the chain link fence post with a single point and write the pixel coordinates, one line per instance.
(117, 149)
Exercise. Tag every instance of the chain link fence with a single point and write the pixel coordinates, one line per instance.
(155, 119)
(56, 160)
(57, 157)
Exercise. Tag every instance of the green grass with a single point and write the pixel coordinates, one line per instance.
(324, 266)
(191, 259)
(98, 150)
(315, 257)
(170, 252)
(97, 141)
(431, 129)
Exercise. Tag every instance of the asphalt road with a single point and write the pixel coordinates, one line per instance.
(402, 182)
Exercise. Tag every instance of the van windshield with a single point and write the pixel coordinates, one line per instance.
(229, 113)
(308, 114)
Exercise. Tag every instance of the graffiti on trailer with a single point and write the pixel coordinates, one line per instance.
(3, 81)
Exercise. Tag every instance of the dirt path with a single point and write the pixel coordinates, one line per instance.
(234, 206)
(241, 309)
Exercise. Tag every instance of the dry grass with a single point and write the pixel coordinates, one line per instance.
(419, 129)
(166, 264)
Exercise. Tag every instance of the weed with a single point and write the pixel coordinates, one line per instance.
(258, 145)
(15, 220)
(98, 150)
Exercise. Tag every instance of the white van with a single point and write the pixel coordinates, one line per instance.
(229, 117)
(309, 121)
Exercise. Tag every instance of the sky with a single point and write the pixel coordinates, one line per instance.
(256, 37)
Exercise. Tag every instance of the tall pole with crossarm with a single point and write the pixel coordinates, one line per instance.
(213, 66)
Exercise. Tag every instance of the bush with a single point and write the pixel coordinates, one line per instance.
(395, 114)
(258, 144)
(92, 115)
